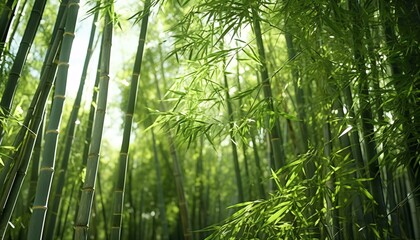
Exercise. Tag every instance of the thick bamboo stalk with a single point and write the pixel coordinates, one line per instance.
(37, 222)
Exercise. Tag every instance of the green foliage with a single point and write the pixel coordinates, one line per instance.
(286, 214)
(344, 86)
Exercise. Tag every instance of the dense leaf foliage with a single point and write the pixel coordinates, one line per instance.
(238, 119)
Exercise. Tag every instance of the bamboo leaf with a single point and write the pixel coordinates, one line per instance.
(348, 129)
(277, 216)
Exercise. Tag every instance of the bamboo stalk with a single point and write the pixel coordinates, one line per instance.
(118, 201)
(13, 176)
(275, 136)
(70, 134)
(86, 200)
(36, 225)
(19, 62)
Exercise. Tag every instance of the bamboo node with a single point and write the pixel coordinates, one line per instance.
(89, 189)
(60, 96)
(39, 207)
(129, 115)
(123, 154)
(71, 34)
(59, 63)
(52, 131)
(50, 169)
(73, 4)
(93, 155)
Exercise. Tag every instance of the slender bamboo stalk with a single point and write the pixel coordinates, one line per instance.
(19, 62)
(85, 205)
(118, 201)
(160, 194)
(275, 136)
(89, 127)
(36, 159)
(6, 47)
(333, 214)
(177, 173)
(5, 22)
(257, 161)
(235, 157)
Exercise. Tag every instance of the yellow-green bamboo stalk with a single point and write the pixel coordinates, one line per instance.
(85, 205)
(36, 224)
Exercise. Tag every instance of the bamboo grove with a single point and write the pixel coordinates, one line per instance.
(210, 119)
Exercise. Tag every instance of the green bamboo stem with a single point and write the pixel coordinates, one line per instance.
(86, 200)
(366, 117)
(275, 137)
(6, 47)
(333, 215)
(24, 47)
(403, 62)
(176, 170)
(118, 201)
(37, 100)
(160, 194)
(257, 160)
(22, 157)
(37, 221)
(299, 94)
(198, 190)
(25, 139)
(5, 22)
(89, 127)
(235, 157)
(132, 225)
(361, 219)
(103, 211)
(36, 159)
(70, 134)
